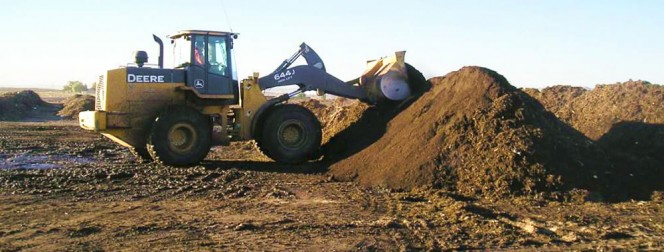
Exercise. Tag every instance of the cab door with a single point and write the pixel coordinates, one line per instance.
(210, 71)
(197, 76)
(219, 67)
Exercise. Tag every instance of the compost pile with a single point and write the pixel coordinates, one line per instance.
(76, 104)
(335, 117)
(555, 98)
(626, 119)
(355, 126)
(17, 105)
(473, 133)
(595, 112)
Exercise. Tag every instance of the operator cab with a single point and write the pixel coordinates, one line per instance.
(208, 61)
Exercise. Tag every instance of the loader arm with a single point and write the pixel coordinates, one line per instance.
(309, 55)
(384, 79)
(311, 76)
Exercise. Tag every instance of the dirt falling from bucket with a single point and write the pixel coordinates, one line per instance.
(357, 126)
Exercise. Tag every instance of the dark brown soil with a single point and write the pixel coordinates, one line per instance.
(358, 125)
(19, 105)
(475, 134)
(76, 104)
(479, 153)
(555, 98)
(626, 119)
(595, 112)
(336, 115)
(65, 189)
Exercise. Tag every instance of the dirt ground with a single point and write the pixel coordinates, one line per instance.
(65, 189)
(62, 188)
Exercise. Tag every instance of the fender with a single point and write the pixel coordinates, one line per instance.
(258, 116)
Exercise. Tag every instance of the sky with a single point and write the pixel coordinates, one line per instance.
(47, 43)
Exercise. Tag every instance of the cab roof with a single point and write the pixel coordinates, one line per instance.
(201, 32)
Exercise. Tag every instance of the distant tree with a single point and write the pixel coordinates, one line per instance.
(94, 86)
(75, 87)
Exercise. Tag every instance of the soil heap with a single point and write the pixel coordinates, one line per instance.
(473, 133)
(595, 112)
(76, 104)
(627, 120)
(555, 98)
(355, 126)
(19, 104)
(335, 117)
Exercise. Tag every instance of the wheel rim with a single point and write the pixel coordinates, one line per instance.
(181, 138)
(291, 134)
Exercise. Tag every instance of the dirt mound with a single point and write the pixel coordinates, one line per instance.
(626, 120)
(357, 126)
(596, 111)
(555, 98)
(76, 104)
(478, 135)
(635, 150)
(336, 116)
(17, 105)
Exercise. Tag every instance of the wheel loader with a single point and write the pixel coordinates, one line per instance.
(174, 116)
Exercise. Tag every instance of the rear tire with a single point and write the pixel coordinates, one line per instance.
(290, 134)
(180, 136)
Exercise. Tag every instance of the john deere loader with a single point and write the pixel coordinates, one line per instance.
(174, 116)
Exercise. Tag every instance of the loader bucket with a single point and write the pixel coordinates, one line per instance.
(386, 79)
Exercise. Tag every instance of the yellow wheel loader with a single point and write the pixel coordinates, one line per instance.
(173, 116)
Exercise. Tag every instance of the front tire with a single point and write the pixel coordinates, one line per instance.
(290, 134)
(180, 136)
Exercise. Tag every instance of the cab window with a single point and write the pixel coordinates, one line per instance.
(199, 50)
(217, 55)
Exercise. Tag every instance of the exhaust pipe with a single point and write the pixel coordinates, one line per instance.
(161, 50)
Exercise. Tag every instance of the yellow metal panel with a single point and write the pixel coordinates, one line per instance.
(206, 96)
(121, 96)
(115, 90)
(130, 108)
(92, 120)
(144, 103)
(137, 92)
(102, 120)
(117, 120)
(251, 99)
(212, 110)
